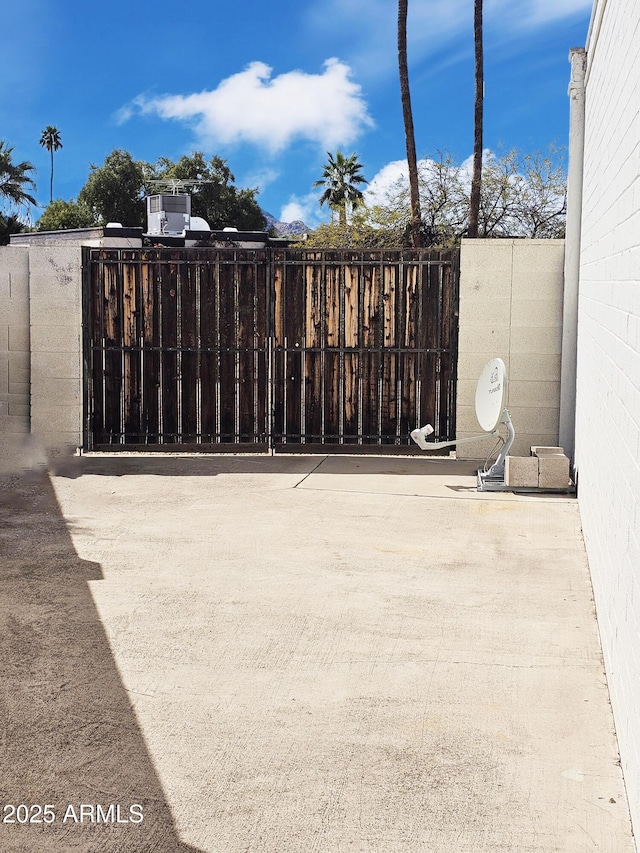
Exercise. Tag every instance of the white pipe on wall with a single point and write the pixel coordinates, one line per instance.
(578, 59)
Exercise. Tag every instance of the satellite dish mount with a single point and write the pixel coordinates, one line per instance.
(491, 395)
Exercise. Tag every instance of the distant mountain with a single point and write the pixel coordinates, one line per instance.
(285, 229)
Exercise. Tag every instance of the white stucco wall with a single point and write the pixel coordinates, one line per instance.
(511, 307)
(608, 371)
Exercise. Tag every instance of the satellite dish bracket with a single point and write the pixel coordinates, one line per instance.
(495, 474)
(491, 393)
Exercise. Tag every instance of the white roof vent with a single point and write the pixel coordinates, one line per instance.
(199, 224)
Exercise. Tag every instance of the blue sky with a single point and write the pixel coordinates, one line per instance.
(272, 87)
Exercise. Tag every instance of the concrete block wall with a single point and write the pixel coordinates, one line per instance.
(511, 294)
(608, 369)
(56, 347)
(14, 351)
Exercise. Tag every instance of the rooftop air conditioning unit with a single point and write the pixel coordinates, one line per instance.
(168, 213)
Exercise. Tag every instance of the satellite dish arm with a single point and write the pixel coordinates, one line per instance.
(420, 438)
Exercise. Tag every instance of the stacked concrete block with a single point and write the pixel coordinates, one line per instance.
(546, 468)
(511, 295)
(553, 467)
(521, 472)
(553, 472)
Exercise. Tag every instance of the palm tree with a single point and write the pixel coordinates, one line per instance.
(414, 195)
(339, 178)
(476, 180)
(14, 180)
(50, 140)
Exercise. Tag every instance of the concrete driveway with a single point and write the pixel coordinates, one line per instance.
(300, 655)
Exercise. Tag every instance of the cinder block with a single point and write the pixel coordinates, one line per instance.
(535, 421)
(18, 338)
(19, 389)
(13, 424)
(18, 408)
(58, 338)
(536, 340)
(553, 471)
(63, 419)
(18, 378)
(486, 269)
(51, 313)
(19, 361)
(56, 365)
(538, 267)
(534, 394)
(485, 312)
(466, 419)
(472, 450)
(547, 312)
(539, 450)
(542, 367)
(470, 364)
(521, 471)
(490, 339)
(51, 392)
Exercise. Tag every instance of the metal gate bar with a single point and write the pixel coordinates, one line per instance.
(364, 346)
(238, 349)
(176, 349)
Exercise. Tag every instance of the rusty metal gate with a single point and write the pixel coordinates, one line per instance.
(240, 349)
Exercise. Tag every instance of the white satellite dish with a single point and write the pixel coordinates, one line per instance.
(491, 395)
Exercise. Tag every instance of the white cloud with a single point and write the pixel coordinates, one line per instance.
(260, 178)
(384, 181)
(368, 27)
(271, 112)
(292, 211)
(395, 174)
(538, 13)
(305, 208)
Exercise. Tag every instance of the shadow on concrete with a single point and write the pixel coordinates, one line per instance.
(211, 465)
(69, 735)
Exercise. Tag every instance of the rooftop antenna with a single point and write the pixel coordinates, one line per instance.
(491, 395)
(177, 185)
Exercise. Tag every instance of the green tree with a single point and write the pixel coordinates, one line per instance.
(444, 202)
(407, 115)
(542, 194)
(9, 225)
(114, 192)
(340, 178)
(522, 195)
(214, 196)
(50, 139)
(60, 215)
(363, 232)
(15, 182)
